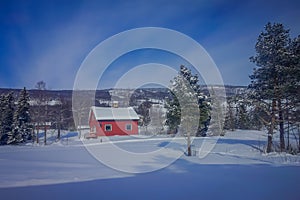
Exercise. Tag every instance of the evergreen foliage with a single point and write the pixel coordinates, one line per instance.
(22, 120)
(216, 118)
(243, 118)
(7, 113)
(242, 114)
(275, 81)
(230, 119)
(14, 120)
(144, 111)
(187, 99)
(173, 114)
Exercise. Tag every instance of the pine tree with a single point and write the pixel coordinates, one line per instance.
(292, 89)
(268, 78)
(187, 106)
(173, 114)
(2, 108)
(22, 118)
(230, 120)
(216, 118)
(257, 116)
(243, 118)
(144, 111)
(293, 78)
(186, 86)
(7, 119)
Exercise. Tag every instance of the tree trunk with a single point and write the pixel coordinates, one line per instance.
(58, 130)
(272, 126)
(58, 125)
(45, 136)
(281, 126)
(288, 132)
(189, 150)
(288, 123)
(45, 124)
(270, 143)
(33, 135)
(299, 136)
(37, 134)
(79, 124)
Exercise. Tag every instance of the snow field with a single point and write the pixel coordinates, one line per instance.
(234, 168)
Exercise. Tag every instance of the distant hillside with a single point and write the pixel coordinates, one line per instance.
(141, 93)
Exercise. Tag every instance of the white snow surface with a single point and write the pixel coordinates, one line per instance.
(234, 168)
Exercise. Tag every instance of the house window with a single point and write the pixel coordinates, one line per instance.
(128, 127)
(108, 127)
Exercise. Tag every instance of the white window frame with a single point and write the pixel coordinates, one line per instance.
(93, 129)
(127, 128)
(108, 125)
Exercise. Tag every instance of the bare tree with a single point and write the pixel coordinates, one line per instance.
(40, 118)
(81, 104)
(62, 115)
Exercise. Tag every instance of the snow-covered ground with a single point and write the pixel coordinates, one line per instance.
(230, 167)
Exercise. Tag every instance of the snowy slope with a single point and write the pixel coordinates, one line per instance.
(234, 168)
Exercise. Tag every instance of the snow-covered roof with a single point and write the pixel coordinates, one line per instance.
(109, 113)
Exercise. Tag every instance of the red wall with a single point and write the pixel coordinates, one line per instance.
(118, 127)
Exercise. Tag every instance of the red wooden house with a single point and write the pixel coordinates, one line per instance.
(110, 121)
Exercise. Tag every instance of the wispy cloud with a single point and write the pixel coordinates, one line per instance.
(48, 41)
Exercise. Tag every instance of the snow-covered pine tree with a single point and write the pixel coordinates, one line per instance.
(23, 129)
(187, 106)
(242, 113)
(173, 114)
(292, 91)
(268, 78)
(230, 120)
(186, 81)
(216, 118)
(257, 115)
(186, 93)
(243, 117)
(203, 101)
(144, 111)
(2, 107)
(7, 119)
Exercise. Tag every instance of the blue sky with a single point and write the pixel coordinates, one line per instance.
(48, 40)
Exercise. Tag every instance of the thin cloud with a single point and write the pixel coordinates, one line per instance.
(49, 42)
